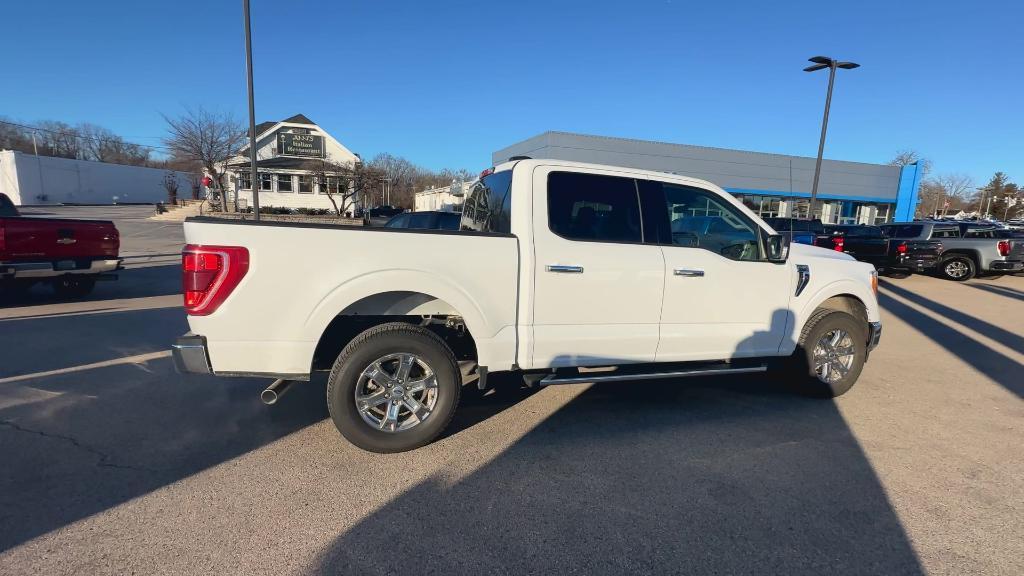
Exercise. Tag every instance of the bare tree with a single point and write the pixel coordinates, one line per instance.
(907, 157)
(207, 138)
(59, 139)
(171, 185)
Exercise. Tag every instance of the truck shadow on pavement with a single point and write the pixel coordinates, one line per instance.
(77, 443)
(159, 280)
(694, 476)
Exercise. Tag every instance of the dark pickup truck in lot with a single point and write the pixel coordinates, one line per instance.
(865, 243)
(870, 244)
(968, 249)
(70, 255)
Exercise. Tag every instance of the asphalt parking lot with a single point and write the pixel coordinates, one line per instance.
(115, 464)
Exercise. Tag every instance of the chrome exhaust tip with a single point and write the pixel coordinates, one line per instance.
(275, 391)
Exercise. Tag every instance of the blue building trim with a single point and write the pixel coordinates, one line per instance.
(906, 194)
(789, 194)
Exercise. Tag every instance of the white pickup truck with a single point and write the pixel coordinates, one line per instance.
(562, 272)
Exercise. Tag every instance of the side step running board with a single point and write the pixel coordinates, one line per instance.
(615, 377)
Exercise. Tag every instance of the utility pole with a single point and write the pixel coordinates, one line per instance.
(254, 177)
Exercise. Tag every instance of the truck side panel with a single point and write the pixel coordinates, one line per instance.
(301, 277)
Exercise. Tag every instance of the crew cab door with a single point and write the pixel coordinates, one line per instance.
(722, 298)
(597, 288)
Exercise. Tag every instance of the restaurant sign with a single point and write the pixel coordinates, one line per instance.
(291, 144)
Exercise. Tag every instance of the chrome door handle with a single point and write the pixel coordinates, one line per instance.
(688, 273)
(564, 269)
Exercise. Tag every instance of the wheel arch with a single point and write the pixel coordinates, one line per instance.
(844, 295)
(360, 308)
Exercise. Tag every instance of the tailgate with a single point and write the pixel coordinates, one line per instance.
(33, 239)
(1016, 250)
(920, 248)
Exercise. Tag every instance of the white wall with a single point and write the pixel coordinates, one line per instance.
(441, 198)
(28, 179)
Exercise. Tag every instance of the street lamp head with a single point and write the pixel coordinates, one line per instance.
(820, 60)
(815, 68)
(847, 65)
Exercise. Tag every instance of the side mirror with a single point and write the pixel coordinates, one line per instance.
(778, 248)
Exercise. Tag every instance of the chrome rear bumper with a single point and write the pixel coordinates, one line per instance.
(190, 357)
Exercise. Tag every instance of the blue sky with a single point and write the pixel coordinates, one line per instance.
(447, 83)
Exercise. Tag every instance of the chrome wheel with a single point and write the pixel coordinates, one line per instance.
(396, 392)
(956, 269)
(833, 356)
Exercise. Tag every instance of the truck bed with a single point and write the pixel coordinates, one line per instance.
(301, 276)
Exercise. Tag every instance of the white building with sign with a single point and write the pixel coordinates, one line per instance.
(442, 198)
(289, 155)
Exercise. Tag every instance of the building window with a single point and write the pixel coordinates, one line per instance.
(284, 182)
(265, 182)
(305, 184)
(244, 181)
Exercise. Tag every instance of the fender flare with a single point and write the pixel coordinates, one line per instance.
(397, 280)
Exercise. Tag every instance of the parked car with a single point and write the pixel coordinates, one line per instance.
(426, 221)
(559, 267)
(70, 255)
(385, 211)
(870, 244)
(968, 249)
(799, 230)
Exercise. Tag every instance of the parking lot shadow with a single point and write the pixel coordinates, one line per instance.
(999, 290)
(676, 477)
(997, 366)
(77, 443)
(141, 282)
(1012, 339)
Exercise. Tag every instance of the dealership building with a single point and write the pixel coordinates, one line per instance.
(771, 185)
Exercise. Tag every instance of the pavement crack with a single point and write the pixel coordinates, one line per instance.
(104, 459)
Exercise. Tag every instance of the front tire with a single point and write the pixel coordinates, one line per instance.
(957, 268)
(394, 388)
(830, 354)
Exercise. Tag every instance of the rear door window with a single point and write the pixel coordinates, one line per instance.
(594, 207)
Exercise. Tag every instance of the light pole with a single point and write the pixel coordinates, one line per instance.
(254, 181)
(820, 63)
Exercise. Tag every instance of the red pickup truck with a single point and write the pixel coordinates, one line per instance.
(71, 255)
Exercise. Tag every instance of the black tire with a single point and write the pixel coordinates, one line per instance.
(69, 286)
(957, 268)
(800, 371)
(376, 343)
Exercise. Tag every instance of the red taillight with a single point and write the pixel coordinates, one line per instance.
(486, 172)
(1004, 247)
(3, 238)
(837, 243)
(209, 274)
(902, 248)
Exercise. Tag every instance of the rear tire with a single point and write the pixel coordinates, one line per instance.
(829, 356)
(380, 408)
(69, 286)
(957, 268)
